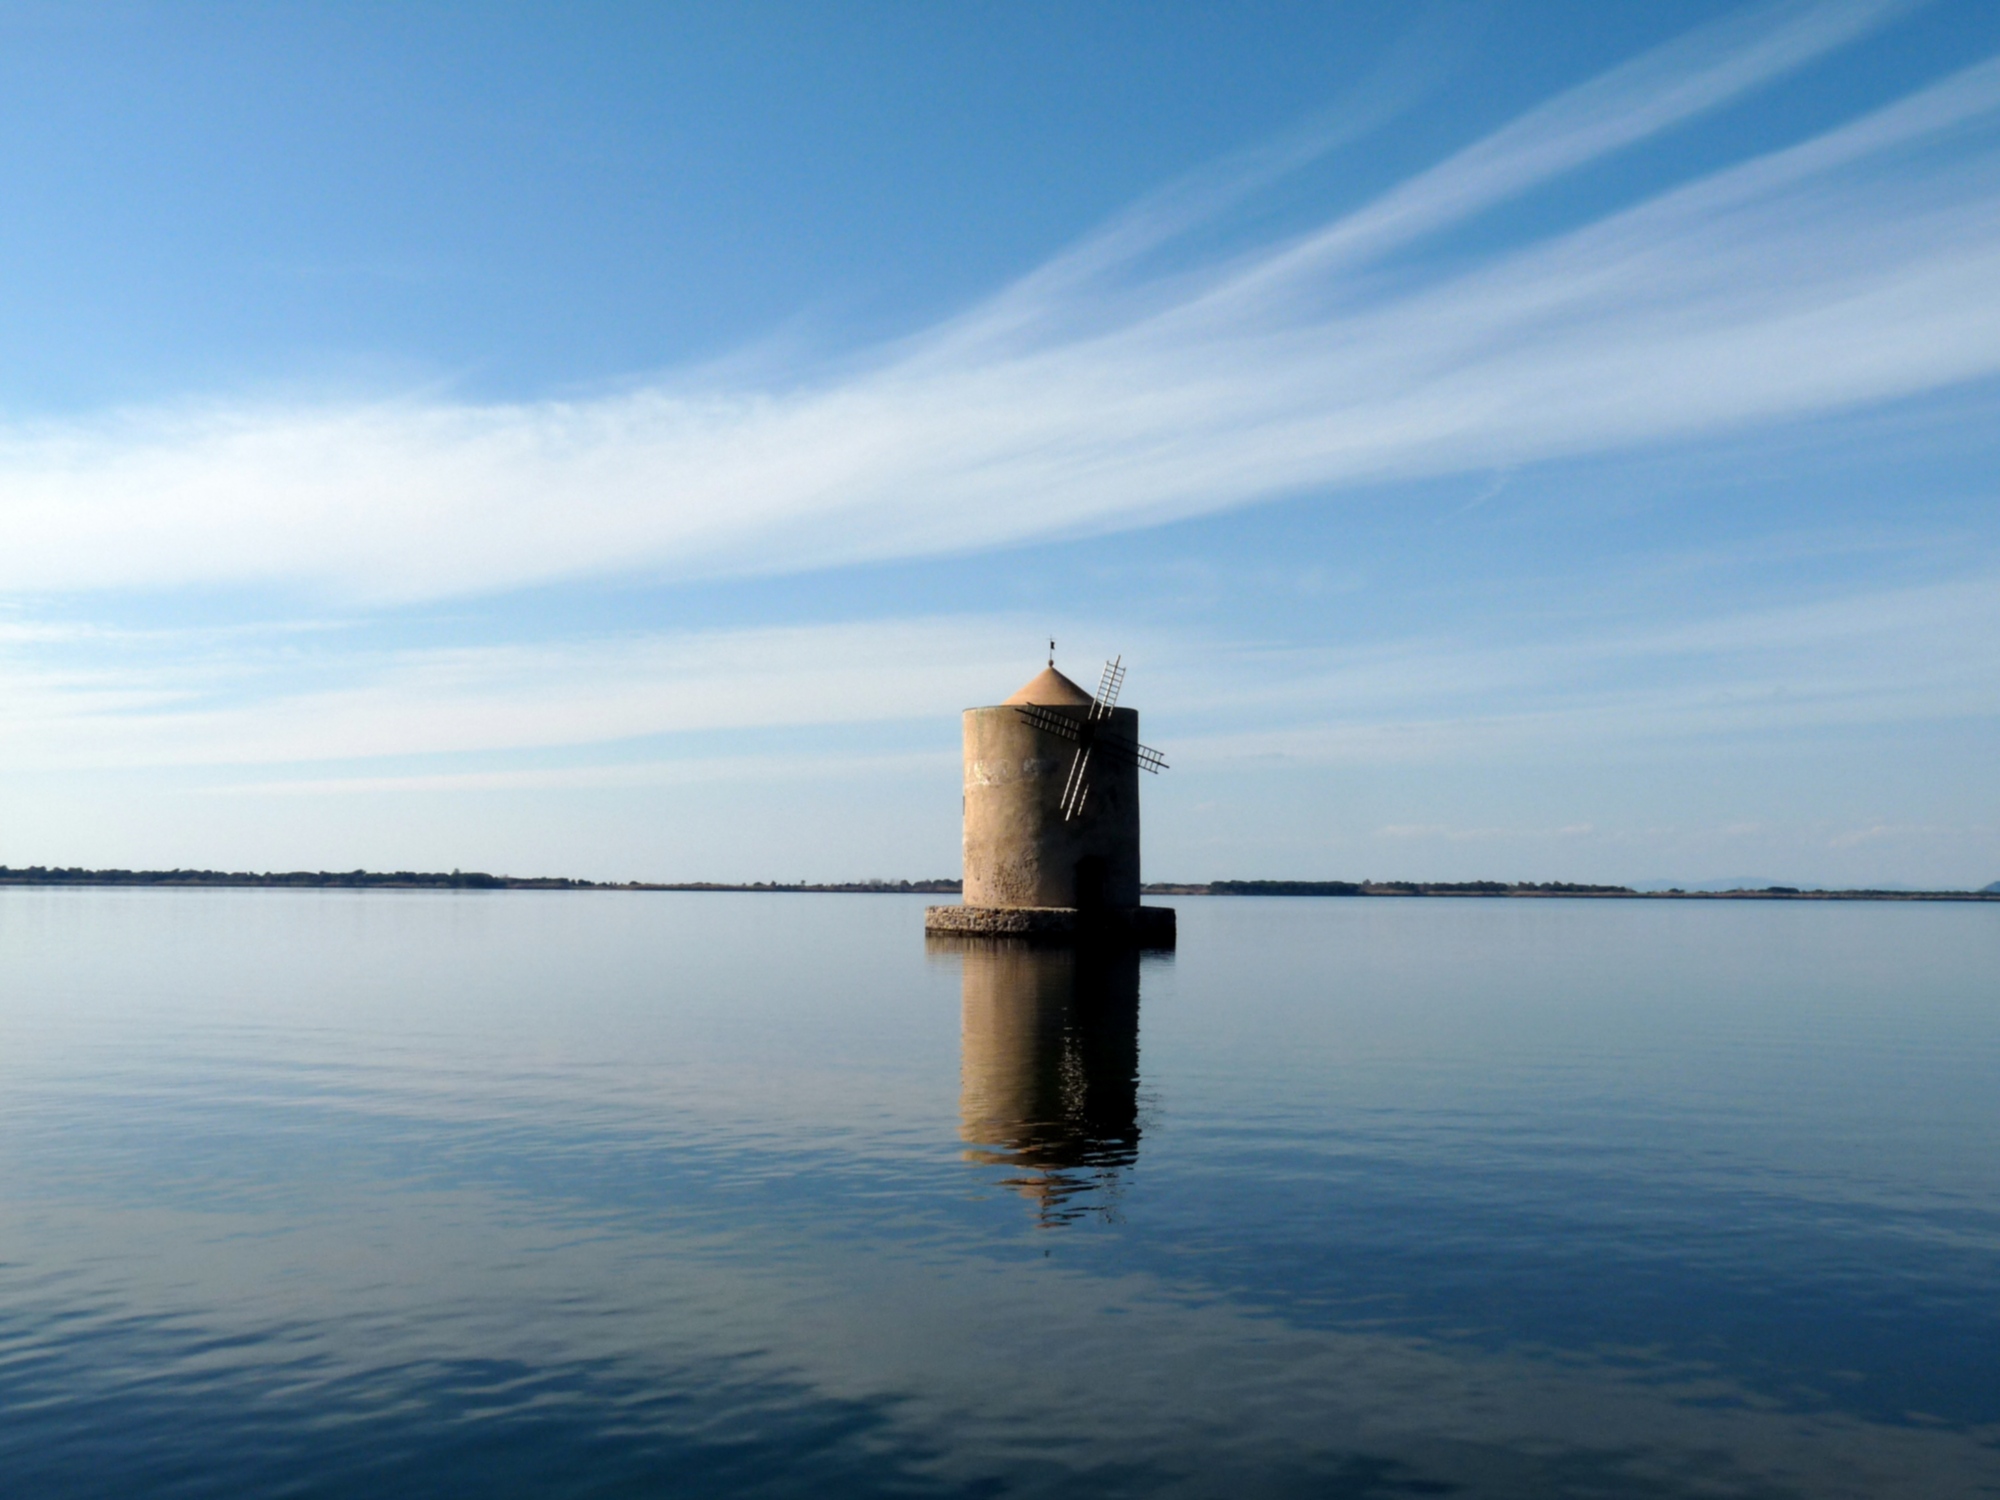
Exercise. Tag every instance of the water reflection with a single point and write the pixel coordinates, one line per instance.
(362, 1194)
(1049, 1070)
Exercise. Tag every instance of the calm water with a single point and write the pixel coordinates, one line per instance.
(499, 1194)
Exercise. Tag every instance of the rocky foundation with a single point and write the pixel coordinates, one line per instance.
(1140, 926)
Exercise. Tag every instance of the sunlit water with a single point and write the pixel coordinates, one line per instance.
(552, 1194)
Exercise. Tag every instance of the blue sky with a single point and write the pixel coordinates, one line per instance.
(1529, 441)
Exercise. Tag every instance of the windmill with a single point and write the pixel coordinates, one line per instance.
(1093, 736)
(1049, 860)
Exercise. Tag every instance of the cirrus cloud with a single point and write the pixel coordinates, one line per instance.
(1862, 265)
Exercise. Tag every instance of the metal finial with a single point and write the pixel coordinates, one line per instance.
(1052, 651)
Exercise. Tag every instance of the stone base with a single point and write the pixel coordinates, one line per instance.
(1140, 926)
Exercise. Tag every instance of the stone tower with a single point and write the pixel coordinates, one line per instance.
(1028, 868)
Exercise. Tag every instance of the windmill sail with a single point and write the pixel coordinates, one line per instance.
(1093, 735)
(1107, 688)
(1077, 786)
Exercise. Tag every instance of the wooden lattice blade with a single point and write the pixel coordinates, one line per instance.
(1049, 722)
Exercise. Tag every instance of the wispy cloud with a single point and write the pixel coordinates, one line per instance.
(1876, 657)
(1906, 656)
(1451, 834)
(1878, 833)
(936, 767)
(1859, 266)
(430, 702)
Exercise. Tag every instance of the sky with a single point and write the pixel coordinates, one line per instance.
(1526, 441)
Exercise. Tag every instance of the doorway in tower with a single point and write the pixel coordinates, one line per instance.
(1090, 880)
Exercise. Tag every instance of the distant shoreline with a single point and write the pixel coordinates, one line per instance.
(475, 880)
(417, 880)
(1544, 889)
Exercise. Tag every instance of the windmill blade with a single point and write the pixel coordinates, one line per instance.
(1050, 722)
(1145, 757)
(1077, 787)
(1108, 688)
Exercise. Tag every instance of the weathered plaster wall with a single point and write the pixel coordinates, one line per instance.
(1018, 849)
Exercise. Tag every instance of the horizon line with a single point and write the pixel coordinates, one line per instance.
(479, 880)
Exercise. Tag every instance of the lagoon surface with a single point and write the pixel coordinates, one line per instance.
(603, 1194)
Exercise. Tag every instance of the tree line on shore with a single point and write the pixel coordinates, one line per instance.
(478, 880)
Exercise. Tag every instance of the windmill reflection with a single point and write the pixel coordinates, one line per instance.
(1049, 1069)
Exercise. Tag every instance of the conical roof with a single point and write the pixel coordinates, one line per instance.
(1052, 690)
